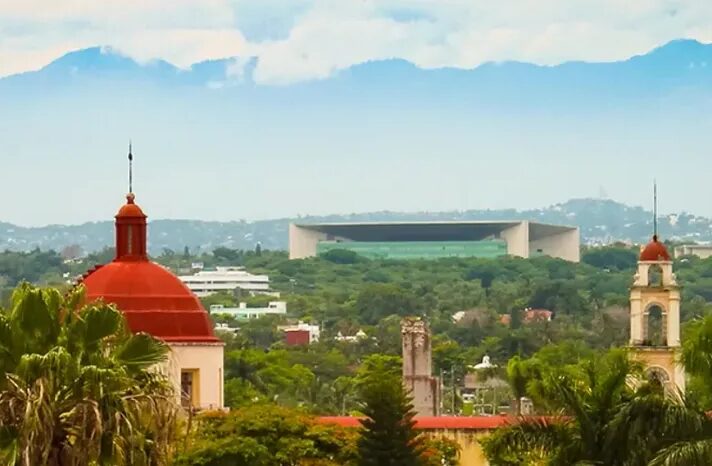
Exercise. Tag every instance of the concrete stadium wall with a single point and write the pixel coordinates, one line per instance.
(565, 245)
(517, 238)
(303, 241)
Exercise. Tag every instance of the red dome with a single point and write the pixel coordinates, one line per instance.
(153, 299)
(654, 251)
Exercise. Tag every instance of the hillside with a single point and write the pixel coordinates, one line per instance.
(601, 221)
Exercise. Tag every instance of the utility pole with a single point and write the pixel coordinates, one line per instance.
(452, 382)
(442, 385)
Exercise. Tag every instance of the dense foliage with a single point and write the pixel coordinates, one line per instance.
(597, 416)
(344, 293)
(76, 389)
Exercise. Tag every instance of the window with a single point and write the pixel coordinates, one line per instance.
(189, 388)
(655, 327)
(655, 276)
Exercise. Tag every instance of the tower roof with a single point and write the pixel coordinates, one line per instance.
(654, 251)
(150, 296)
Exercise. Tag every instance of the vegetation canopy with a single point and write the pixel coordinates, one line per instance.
(78, 388)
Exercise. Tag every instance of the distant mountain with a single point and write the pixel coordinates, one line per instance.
(382, 133)
(676, 63)
(601, 222)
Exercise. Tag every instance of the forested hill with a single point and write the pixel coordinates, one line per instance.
(601, 221)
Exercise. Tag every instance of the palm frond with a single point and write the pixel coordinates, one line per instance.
(692, 453)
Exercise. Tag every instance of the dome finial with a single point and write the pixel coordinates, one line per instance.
(130, 169)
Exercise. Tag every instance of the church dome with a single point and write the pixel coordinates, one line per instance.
(153, 299)
(654, 251)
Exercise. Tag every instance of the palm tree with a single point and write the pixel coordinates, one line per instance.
(77, 386)
(518, 377)
(585, 398)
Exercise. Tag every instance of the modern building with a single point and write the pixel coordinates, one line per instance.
(703, 251)
(422, 240)
(242, 312)
(655, 317)
(155, 301)
(227, 279)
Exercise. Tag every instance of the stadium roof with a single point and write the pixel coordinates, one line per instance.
(429, 230)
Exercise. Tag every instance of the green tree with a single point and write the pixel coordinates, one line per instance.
(77, 388)
(388, 437)
(590, 395)
(377, 301)
(267, 435)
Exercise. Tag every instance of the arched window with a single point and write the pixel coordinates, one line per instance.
(655, 275)
(657, 375)
(655, 331)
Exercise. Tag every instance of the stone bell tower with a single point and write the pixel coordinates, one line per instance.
(655, 316)
(417, 367)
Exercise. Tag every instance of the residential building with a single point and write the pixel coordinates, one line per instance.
(228, 279)
(301, 333)
(242, 312)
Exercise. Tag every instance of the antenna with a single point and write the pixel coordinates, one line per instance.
(130, 168)
(655, 210)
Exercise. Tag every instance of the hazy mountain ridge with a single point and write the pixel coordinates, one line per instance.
(601, 221)
(674, 63)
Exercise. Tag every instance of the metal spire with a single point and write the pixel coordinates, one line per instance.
(655, 210)
(130, 169)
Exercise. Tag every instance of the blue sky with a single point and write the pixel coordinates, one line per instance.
(318, 124)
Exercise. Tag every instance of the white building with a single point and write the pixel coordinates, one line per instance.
(243, 312)
(360, 335)
(312, 331)
(702, 251)
(207, 282)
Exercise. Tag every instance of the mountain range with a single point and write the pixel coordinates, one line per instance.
(601, 222)
(213, 142)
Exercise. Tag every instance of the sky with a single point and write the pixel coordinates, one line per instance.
(309, 138)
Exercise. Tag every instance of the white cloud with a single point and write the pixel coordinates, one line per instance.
(311, 39)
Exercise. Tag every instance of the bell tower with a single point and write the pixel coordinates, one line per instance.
(655, 315)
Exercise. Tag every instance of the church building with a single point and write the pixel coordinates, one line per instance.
(155, 301)
(655, 317)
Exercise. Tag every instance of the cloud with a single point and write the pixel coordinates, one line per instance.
(298, 40)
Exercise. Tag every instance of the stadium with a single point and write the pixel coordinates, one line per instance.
(423, 240)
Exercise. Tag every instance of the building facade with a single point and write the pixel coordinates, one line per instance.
(155, 301)
(226, 279)
(242, 312)
(703, 251)
(432, 240)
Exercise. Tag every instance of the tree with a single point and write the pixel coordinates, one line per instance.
(589, 395)
(77, 388)
(267, 435)
(388, 437)
(377, 301)
(518, 375)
